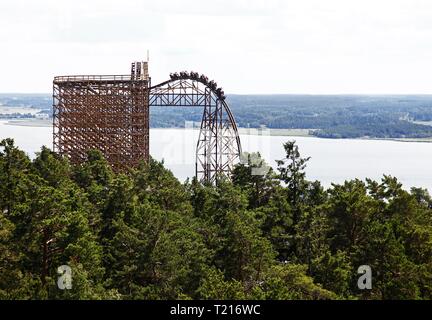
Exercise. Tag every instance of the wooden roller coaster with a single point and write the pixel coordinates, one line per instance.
(111, 113)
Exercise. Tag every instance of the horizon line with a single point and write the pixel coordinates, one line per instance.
(269, 94)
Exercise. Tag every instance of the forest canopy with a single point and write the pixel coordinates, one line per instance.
(142, 234)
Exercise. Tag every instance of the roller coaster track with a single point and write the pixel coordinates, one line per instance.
(218, 146)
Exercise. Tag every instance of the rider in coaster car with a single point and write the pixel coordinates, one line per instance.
(204, 79)
(220, 93)
(212, 85)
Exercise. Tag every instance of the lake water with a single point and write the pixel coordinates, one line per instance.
(331, 160)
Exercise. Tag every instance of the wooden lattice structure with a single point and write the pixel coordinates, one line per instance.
(107, 113)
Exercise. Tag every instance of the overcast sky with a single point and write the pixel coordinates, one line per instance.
(247, 46)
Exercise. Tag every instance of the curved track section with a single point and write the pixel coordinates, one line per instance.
(218, 147)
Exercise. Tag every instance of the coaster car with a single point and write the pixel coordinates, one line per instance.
(220, 93)
(184, 75)
(213, 85)
(204, 79)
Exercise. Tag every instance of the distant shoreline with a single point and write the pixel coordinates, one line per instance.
(29, 122)
(245, 131)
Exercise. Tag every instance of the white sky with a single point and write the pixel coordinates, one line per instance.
(247, 46)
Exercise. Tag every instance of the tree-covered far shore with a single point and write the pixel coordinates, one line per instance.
(324, 116)
(142, 234)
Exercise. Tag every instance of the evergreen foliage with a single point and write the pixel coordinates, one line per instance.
(144, 235)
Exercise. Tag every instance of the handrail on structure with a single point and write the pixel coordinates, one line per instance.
(80, 78)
